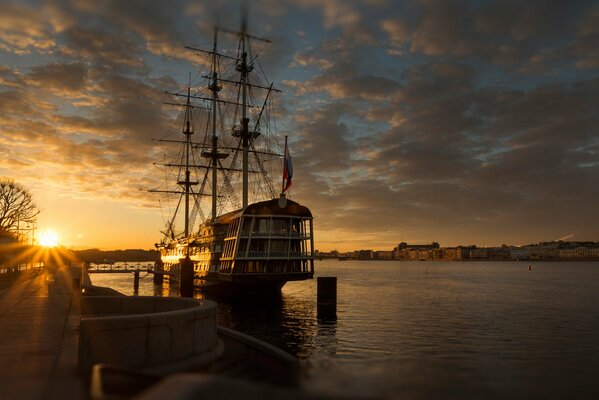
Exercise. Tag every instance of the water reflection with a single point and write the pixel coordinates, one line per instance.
(326, 337)
(167, 288)
(462, 330)
(286, 322)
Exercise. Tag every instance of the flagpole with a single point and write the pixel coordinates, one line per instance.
(284, 166)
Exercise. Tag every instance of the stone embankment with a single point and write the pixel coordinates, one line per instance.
(146, 333)
(51, 336)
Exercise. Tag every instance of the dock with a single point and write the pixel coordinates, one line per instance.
(112, 268)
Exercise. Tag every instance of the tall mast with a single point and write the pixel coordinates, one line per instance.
(243, 68)
(187, 131)
(215, 89)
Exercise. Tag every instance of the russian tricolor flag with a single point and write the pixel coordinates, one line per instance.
(287, 170)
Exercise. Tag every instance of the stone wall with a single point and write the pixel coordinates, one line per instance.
(147, 333)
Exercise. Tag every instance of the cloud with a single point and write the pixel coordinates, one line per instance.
(63, 79)
(586, 45)
(500, 32)
(452, 152)
(103, 49)
(24, 30)
(343, 82)
(320, 135)
(398, 33)
(131, 108)
(452, 121)
(334, 13)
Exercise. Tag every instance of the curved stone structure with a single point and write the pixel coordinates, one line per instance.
(152, 334)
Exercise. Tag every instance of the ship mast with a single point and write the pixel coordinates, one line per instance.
(215, 89)
(187, 131)
(213, 154)
(244, 69)
(241, 131)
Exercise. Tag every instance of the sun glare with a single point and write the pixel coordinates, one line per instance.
(48, 238)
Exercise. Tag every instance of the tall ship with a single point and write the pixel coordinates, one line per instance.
(228, 228)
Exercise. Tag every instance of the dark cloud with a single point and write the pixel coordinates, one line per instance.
(323, 142)
(462, 121)
(63, 78)
(276, 57)
(104, 49)
(131, 108)
(501, 32)
(14, 103)
(461, 155)
(162, 21)
(24, 30)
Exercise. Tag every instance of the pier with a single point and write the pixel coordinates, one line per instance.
(112, 268)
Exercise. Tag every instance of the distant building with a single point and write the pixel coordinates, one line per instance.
(452, 253)
(384, 255)
(362, 255)
(405, 251)
(479, 253)
(437, 254)
(578, 253)
(404, 245)
(498, 253)
(464, 251)
(519, 253)
(541, 252)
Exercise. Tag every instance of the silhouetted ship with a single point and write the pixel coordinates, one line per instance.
(240, 246)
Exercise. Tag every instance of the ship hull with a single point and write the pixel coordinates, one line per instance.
(255, 250)
(254, 287)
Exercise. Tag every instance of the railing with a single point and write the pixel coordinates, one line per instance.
(20, 267)
(116, 268)
(274, 254)
(266, 234)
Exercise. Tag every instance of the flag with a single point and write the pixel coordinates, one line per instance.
(287, 170)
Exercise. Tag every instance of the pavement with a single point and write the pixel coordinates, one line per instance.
(39, 318)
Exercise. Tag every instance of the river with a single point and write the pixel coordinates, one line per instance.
(412, 330)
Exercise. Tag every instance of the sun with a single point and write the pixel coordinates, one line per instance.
(48, 238)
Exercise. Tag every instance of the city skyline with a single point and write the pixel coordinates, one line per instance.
(471, 122)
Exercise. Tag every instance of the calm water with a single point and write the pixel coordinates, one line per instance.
(434, 330)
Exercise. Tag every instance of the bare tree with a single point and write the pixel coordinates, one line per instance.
(16, 206)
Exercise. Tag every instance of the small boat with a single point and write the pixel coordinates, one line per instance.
(227, 243)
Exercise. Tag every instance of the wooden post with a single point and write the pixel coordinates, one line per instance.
(136, 281)
(326, 297)
(158, 269)
(186, 277)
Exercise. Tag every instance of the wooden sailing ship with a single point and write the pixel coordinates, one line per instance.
(240, 246)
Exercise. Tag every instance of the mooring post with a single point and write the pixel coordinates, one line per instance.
(326, 297)
(136, 281)
(158, 269)
(186, 278)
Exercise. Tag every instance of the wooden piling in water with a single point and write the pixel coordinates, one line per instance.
(136, 281)
(158, 277)
(186, 278)
(326, 297)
